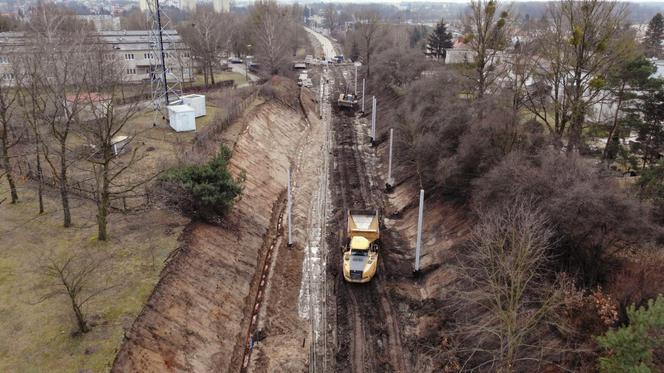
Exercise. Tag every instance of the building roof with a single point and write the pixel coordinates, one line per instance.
(129, 40)
(180, 108)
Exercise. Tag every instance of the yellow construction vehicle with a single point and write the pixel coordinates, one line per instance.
(360, 259)
(347, 101)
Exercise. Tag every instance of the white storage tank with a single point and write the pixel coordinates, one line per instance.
(182, 118)
(197, 102)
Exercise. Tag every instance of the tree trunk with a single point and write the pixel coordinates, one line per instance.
(40, 177)
(80, 319)
(103, 206)
(7, 166)
(614, 128)
(205, 75)
(211, 74)
(64, 188)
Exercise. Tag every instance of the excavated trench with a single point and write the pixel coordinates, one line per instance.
(367, 328)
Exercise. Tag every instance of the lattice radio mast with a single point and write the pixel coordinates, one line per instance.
(165, 85)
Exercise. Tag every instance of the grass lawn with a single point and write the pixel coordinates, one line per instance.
(37, 337)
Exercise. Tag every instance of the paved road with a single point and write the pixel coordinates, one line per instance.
(240, 68)
(328, 47)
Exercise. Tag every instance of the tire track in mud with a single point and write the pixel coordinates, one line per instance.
(367, 329)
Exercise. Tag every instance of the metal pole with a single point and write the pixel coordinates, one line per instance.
(419, 232)
(161, 49)
(289, 203)
(390, 182)
(356, 82)
(373, 120)
(363, 86)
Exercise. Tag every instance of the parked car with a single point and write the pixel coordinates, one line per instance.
(235, 60)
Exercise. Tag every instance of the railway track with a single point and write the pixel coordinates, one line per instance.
(367, 329)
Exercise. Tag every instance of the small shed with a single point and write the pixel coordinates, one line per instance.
(120, 144)
(197, 102)
(182, 118)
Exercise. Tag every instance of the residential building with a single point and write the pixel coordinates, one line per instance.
(102, 22)
(221, 6)
(133, 48)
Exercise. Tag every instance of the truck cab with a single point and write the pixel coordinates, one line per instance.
(347, 101)
(360, 259)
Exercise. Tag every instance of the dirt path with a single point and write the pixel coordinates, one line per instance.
(367, 328)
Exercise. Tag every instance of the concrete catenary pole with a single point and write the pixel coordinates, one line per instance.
(373, 120)
(418, 244)
(356, 82)
(363, 87)
(320, 103)
(289, 203)
(390, 181)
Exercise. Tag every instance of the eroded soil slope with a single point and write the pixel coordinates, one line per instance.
(195, 319)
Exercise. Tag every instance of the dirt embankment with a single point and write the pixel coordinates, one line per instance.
(421, 308)
(196, 319)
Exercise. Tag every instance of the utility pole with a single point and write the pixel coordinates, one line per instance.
(320, 103)
(390, 180)
(418, 244)
(373, 122)
(289, 203)
(363, 86)
(355, 81)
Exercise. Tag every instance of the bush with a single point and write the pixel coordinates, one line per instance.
(651, 186)
(594, 219)
(631, 348)
(206, 191)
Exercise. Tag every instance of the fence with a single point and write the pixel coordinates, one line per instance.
(85, 189)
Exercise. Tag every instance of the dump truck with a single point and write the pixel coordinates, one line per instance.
(360, 259)
(347, 101)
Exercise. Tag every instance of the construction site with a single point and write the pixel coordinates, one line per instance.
(332, 187)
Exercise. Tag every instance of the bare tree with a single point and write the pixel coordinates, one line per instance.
(73, 276)
(105, 127)
(580, 41)
(331, 17)
(368, 29)
(509, 304)
(273, 34)
(58, 93)
(207, 34)
(487, 36)
(9, 134)
(27, 72)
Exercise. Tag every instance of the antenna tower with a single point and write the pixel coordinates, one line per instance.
(165, 85)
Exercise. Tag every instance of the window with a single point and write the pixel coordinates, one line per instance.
(4, 60)
(147, 55)
(131, 71)
(129, 56)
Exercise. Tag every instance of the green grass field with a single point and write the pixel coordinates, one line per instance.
(37, 337)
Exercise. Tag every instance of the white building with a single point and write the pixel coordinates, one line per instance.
(133, 48)
(102, 22)
(221, 6)
(188, 5)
